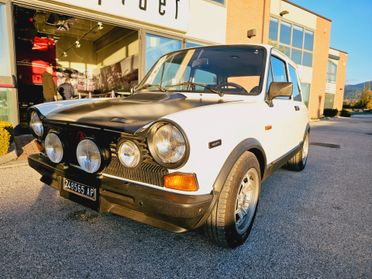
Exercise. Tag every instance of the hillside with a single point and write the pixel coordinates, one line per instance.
(353, 91)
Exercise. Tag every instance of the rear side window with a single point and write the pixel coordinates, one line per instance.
(278, 68)
(296, 86)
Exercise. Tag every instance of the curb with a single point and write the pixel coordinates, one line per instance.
(14, 164)
(10, 156)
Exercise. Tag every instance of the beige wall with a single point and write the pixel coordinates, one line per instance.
(207, 21)
(320, 64)
(296, 13)
(245, 15)
(340, 81)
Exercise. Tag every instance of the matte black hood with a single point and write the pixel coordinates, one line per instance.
(127, 114)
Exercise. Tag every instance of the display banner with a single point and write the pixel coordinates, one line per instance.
(166, 13)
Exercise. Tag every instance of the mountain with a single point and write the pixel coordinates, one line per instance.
(354, 91)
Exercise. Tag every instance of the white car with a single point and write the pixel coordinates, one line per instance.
(189, 148)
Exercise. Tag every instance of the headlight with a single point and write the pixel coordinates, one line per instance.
(168, 145)
(88, 156)
(54, 147)
(36, 124)
(129, 154)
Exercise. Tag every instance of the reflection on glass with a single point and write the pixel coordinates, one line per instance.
(193, 44)
(232, 70)
(307, 59)
(309, 40)
(297, 36)
(305, 92)
(278, 68)
(332, 71)
(273, 32)
(286, 50)
(156, 46)
(296, 56)
(296, 86)
(285, 33)
(329, 101)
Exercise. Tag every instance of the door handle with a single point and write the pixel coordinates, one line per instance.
(297, 108)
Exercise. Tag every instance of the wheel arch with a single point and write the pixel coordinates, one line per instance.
(251, 145)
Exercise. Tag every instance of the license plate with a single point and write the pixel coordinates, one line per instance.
(79, 189)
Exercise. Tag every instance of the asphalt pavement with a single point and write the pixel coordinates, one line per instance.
(313, 224)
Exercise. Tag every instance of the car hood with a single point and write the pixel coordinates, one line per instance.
(128, 114)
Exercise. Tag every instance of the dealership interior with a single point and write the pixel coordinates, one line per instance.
(96, 58)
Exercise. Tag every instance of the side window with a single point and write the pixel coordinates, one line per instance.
(269, 78)
(278, 68)
(296, 86)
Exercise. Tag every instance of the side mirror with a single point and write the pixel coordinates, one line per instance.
(279, 89)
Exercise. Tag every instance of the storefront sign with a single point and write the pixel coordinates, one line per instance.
(167, 13)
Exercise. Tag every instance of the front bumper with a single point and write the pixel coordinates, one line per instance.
(170, 211)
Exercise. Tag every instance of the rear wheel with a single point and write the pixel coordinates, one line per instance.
(298, 161)
(232, 217)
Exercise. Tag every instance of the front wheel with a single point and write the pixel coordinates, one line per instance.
(231, 219)
(298, 161)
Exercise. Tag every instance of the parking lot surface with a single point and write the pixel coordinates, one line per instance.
(313, 224)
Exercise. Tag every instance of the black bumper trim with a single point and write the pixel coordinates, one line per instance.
(166, 210)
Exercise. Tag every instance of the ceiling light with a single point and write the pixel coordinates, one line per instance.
(77, 44)
(64, 54)
(100, 25)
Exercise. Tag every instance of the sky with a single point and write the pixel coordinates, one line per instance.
(351, 32)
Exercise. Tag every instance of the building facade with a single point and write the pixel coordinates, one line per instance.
(302, 35)
(105, 45)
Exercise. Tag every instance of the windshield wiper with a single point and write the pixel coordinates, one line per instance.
(190, 83)
(147, 85)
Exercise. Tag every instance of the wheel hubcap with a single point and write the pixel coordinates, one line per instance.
(246, 200)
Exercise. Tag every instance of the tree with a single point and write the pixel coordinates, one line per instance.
(366, 98)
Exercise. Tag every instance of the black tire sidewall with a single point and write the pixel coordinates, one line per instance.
(233, 237)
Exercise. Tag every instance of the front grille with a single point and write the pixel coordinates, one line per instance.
(150, 173)
(147, 172)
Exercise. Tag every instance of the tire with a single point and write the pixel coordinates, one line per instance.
(298, 161)
(227, 226)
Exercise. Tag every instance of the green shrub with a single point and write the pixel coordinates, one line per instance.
(6, 136)
(345, 113)
(330, 112)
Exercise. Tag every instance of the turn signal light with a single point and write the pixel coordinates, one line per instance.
(181, 181)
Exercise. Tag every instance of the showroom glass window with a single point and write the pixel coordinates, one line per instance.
(189, 44)
(4, 46)
(294, 40)
(157, 46)
(7, 99)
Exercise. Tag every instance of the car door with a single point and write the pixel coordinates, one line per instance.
(280, 113)
(300, 116)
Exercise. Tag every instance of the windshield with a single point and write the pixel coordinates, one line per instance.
(226, 69)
